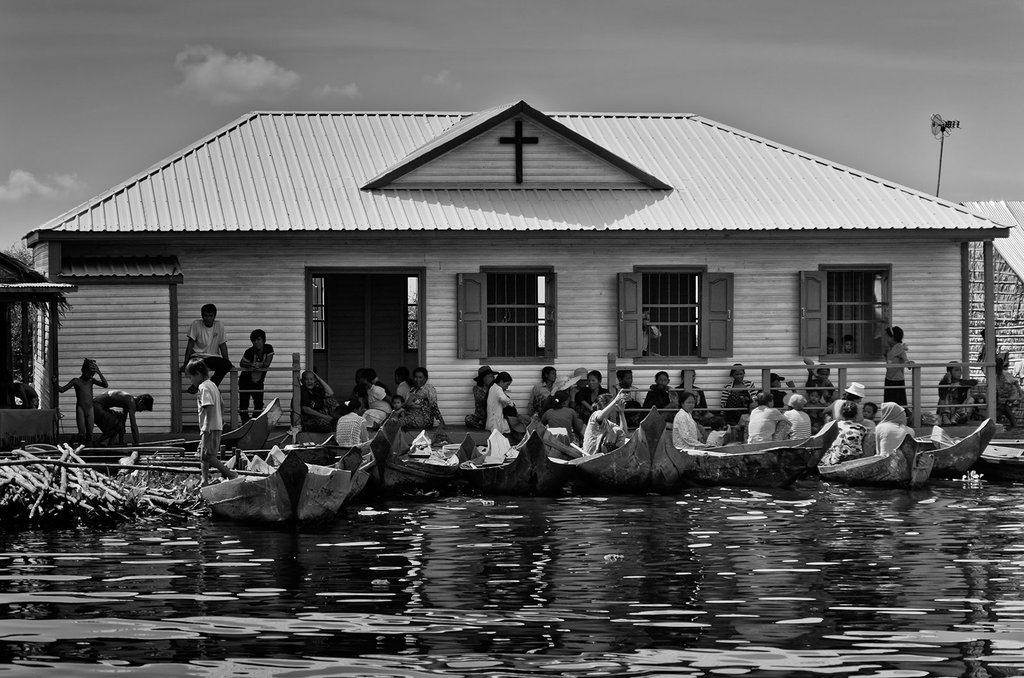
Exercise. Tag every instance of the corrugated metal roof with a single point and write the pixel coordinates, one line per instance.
(279, 171)
(131, 267)
(37, 287)
(1011, 212)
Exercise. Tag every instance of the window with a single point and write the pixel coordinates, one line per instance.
(675, 313)
(317, 313)
(412, 313)
(506, 314)
(844, 311)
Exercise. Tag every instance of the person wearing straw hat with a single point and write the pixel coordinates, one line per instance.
(484, 378)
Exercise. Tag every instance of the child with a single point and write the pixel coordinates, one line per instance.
(250, 382)
(211, 420)
(719, 433)
(849, 442)
(800, 420)
(84, 416)
(351, 428)
(397, 403)
(560, 416)
(870, 410)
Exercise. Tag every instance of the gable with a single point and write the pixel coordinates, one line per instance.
(549, 160)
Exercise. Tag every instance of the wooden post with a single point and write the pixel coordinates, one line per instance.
(766, 379)
(176, 374)
(26, 345)
(296, 406)
(915, 395)
(990, 333)
(54, 366)
(233, 396)
(841, 376)
(965, 306)
(612, 367)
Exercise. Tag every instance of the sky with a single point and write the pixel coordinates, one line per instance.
(94, 91)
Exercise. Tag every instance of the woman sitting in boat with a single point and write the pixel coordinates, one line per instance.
(317, 404)
(766, 422)
(686, 434)
(602, 434)
(484, 378)
(502, 414)
(562, 417)
(541, 397)
(375, 399)
(351, 428)
(849, 443)
(799, 421)
(891, 429)
(586, 398)
(421, 408)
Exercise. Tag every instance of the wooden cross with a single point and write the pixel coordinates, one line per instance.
(519, 140)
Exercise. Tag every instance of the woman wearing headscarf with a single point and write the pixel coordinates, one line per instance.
(891, 429)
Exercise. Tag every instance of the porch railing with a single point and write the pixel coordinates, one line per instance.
(839, 377)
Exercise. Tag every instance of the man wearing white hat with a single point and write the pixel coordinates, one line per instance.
(854, 393)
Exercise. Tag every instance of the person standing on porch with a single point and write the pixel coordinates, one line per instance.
(257, 358)
(207, 341)
(895, 360)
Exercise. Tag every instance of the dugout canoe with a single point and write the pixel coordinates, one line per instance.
(776, 463)
(628, 468)
(952, 461)
(294, 492)
(253, 434)
(906, 466)
(531, 473)
(400, 473)
(1000, 463)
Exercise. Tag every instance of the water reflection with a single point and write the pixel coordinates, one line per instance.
(808, 581)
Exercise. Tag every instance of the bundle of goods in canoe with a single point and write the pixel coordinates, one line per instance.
(55, 487)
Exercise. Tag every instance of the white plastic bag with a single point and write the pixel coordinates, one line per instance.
(420, 445)
(497, 447)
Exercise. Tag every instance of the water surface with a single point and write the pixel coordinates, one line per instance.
(813, 581)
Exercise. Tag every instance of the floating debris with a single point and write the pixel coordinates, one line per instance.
(67, 491)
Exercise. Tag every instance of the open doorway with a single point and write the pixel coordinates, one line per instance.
(363, 319)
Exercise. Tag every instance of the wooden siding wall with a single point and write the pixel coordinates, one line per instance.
(553, 161)
(1009, 306)
(261, 284)
(126, 329)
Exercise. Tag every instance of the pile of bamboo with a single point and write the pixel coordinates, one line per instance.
(60, 489)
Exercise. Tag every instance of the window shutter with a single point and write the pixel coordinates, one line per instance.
(631, 315)
(472, 318)
(551, 322)
(716, 300)
(813, 312)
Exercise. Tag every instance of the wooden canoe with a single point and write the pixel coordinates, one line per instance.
(628, 468)
(1001, 463)
(905, 467)
(253, 434)
(399, 473)
(776, 463)
(954, 460)
(294, 492)
(532, 473)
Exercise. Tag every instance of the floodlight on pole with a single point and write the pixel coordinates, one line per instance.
(940, 130)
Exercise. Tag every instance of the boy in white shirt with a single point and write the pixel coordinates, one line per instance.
(211, 419)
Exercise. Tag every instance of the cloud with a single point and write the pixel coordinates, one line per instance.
(349, 91)
(443, 79)
(213, 75)
(23, 184)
